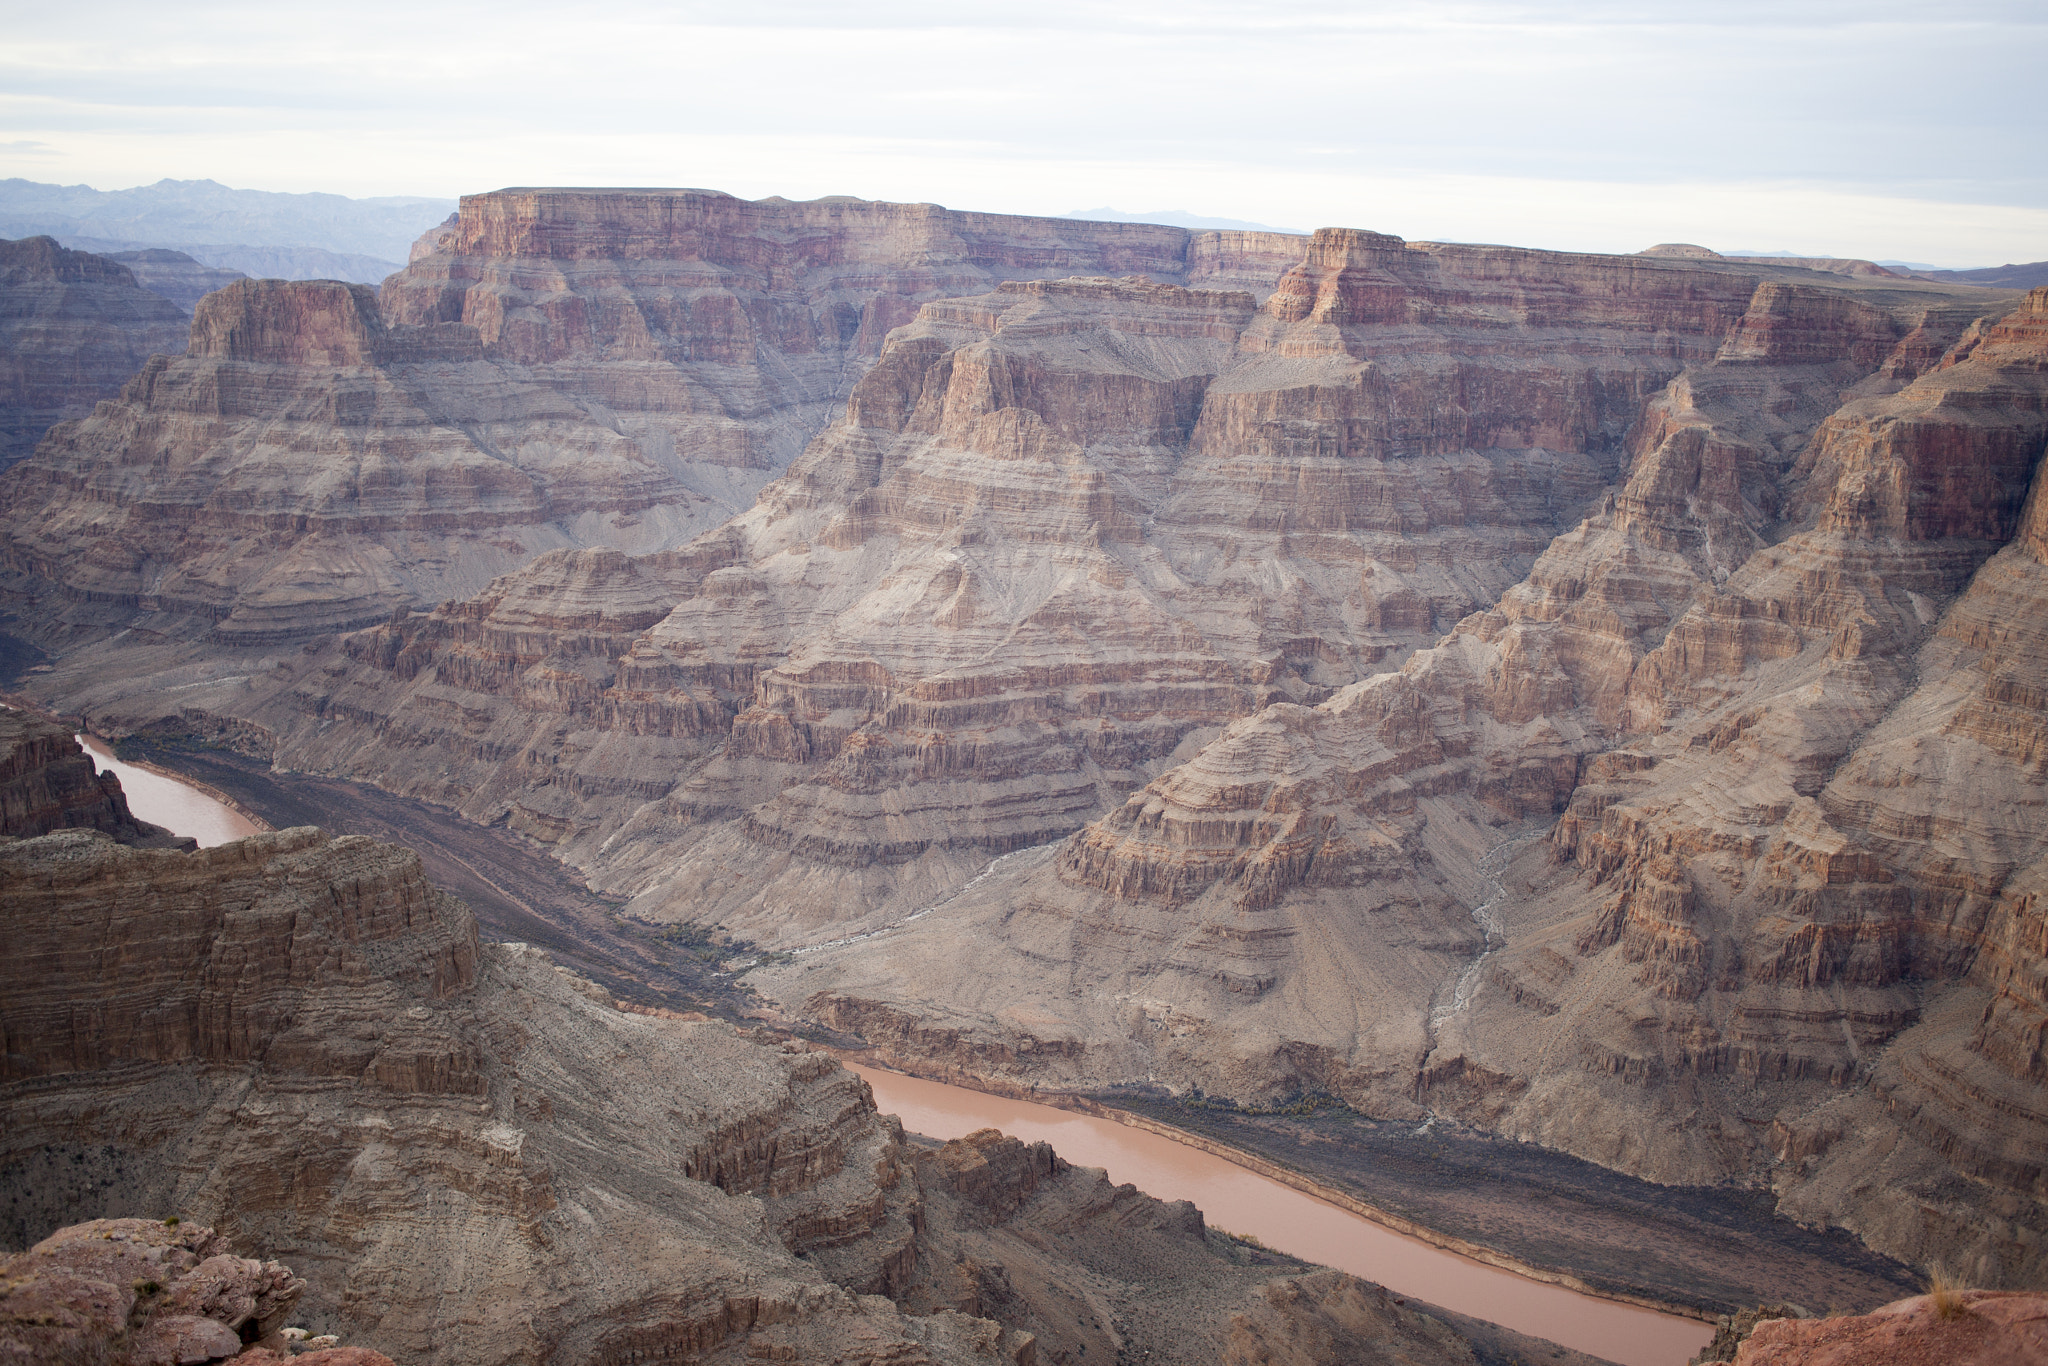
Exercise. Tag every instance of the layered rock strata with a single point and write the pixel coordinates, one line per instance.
(1064, 530)
(73, 327)
(1708, 853)
(300, 1041)
(557, 369)
(175, 275)
(1585, 695)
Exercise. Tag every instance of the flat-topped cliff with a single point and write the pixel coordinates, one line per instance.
(560, 369)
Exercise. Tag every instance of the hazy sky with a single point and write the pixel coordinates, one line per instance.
(1910, 131)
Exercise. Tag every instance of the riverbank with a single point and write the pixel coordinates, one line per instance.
(1688, 1250)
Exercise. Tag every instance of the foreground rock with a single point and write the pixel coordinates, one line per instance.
(73, 327)
(1975, 1328)
(140, 1292)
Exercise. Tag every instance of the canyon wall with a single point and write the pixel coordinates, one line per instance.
(1588, 697)
(73, 327)
(48, 783)
(1065, 531)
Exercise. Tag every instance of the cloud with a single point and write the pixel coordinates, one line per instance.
(27, 148)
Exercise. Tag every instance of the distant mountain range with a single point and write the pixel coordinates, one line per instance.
(257, 232)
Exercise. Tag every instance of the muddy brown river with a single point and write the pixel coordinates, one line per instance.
(1285, 1219)
(1229, 1196)
(176, 806)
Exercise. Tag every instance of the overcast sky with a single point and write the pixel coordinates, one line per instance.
(1905, 131)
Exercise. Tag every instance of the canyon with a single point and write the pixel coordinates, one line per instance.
(1592, 700)
(463, 1152)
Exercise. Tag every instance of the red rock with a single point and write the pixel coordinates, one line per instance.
(1993, 1329)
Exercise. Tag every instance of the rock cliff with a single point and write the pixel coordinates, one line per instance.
(175, 275)
(1592, 697)
(73, 327)
(1063, 528)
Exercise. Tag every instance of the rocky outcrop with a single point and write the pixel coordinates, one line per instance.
(299, 1040)
(138, 1292)
(175, 275)
(73, 327)
(1966, 1328)
(1017, 1234)
(47, 782)
(557, 369)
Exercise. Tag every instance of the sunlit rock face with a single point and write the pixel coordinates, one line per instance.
(1064, 531)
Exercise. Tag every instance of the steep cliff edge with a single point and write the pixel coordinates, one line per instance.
(73, 327)
(300, 1040)
(1709, 853)
(48, 783)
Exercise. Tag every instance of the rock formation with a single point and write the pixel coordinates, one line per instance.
(73, 328)
(560, 370)
(1063, 528)
(1709, 853)
(1974, 1328)
(469, 1155)
(140, 1292)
